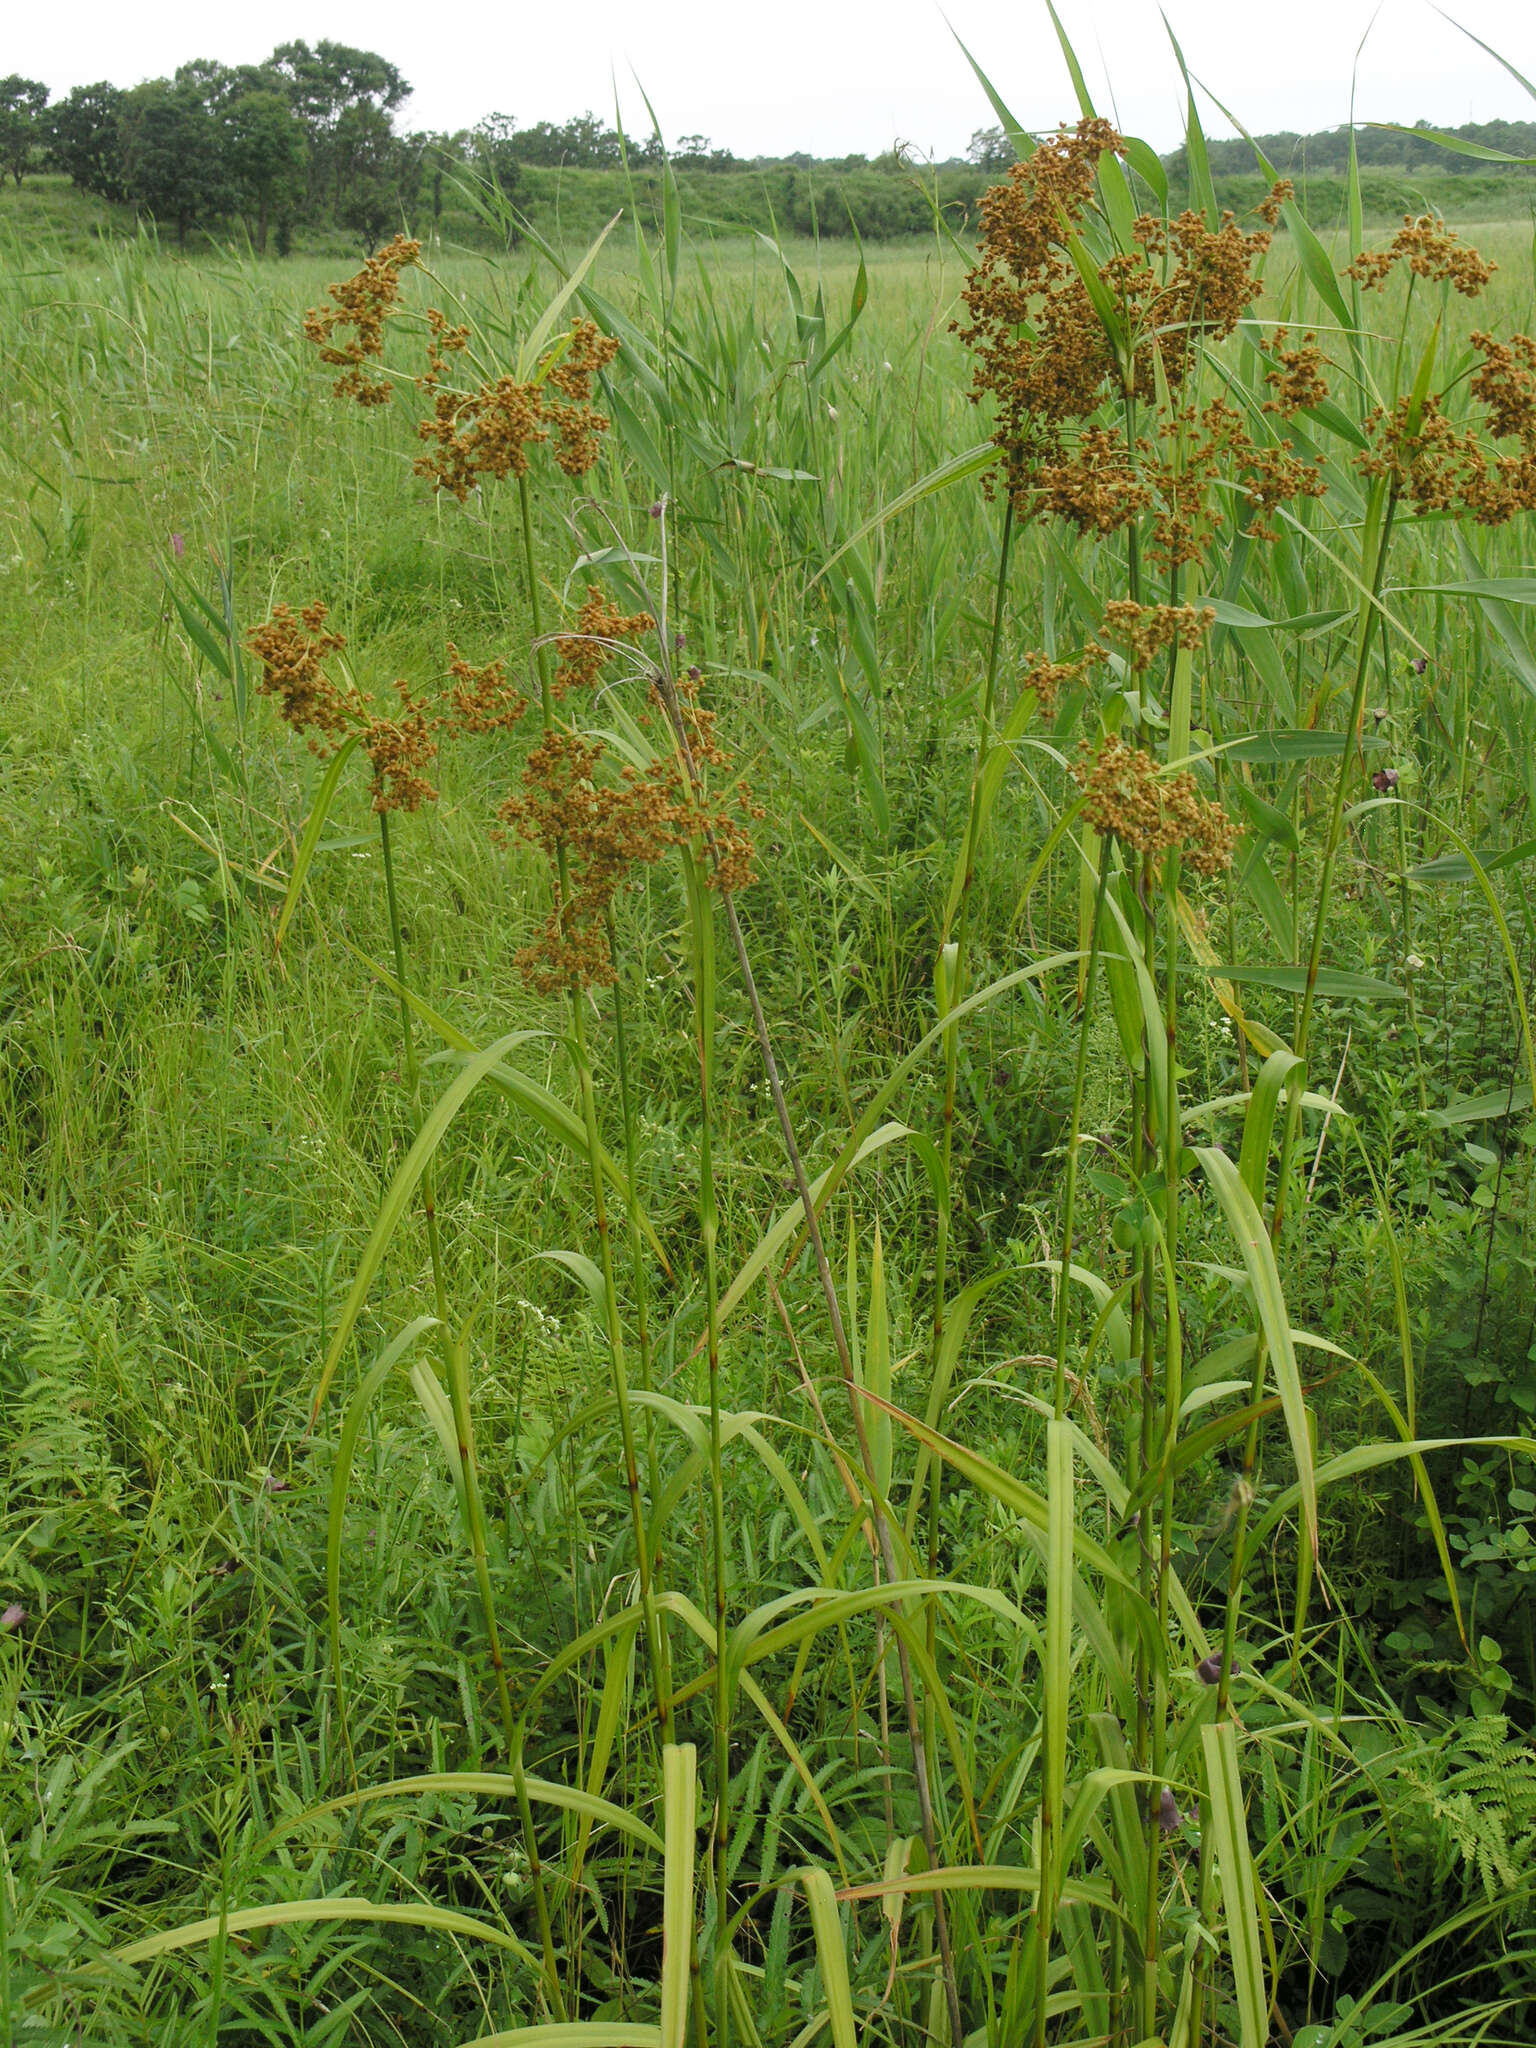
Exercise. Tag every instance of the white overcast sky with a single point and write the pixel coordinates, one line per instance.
(835, 76)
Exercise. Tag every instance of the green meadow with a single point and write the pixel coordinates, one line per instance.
(934, 1445)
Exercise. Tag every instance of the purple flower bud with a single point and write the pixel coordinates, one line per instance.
(656, 509)
(679, 639)
(1208, 1670)
(13, 1616)
(1168, 1815)
(178, 546)
(275, 1485)
(1420, 663)
(1384, 779)
(695, 674)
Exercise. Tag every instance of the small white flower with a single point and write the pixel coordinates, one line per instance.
(1414, 964)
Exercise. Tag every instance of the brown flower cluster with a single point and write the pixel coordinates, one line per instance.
(1198, 459)
(584, 653)
(596, 832)
(400, 751)
(578, 427)
(363, 303)
(482, 698)
(1095, 485)
(443, 340)
(489, 432)
(594, 836)
(1431, 250)
(1297, 379)
(722, 822)
(292, 652)
(1147, 629)
(1506, 384)
(1040, 348)
(1194, 281)
(1045, 357)
(1440, 467)
(1049, 678)
(1129, 799)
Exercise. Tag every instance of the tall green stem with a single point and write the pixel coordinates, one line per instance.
(879, 1514)
(702, 909)
(456, 1371)
(951, 991)
(1050, 1820)
(1379, 519)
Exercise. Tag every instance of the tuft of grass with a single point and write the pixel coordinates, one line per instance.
(975, 1475)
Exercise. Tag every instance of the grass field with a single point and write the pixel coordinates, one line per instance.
(415, 1361)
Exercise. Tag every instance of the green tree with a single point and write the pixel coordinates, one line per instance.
(267, 159)
(989, 150)
(582, 142)
(85, 139)
(176, 156)
(22, 101)
(326, 84)
(378, 173)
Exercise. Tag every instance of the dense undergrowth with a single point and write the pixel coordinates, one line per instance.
(366, 1233)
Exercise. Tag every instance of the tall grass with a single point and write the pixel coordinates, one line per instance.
(931, 1405)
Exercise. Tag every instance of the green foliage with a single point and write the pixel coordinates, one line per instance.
(809, 1529)
(22, 101)
(84, 139)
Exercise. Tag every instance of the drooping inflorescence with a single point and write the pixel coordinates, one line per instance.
(363, 303)
(1064, 336)
(1129, 798)
(1431, 250)
(583, 655)
(598, 831)
(488, 432)
(401, 746)
(487, 429)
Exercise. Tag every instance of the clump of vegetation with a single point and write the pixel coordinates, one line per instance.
(769, 1098)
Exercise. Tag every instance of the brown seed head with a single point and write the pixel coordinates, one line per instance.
(488, 432)
(1297, 379)
(1146, 630)
(363, 303)
(1506, 384)
(401, 749)
(1431, 250)
(482, 698)
(292, 653)
(584, 654)
(1049, 678)
(1129, 799)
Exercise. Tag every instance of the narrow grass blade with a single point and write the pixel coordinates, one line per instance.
(486, 1785)
(679, 1804)
(1280, 1070)
(1247, 1226)
(831, 1956)
(311, 835)
(538, 336)
(305, 1912)
(1236, 1879)
(433, 1130)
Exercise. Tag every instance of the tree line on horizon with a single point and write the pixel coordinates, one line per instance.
(310, 140)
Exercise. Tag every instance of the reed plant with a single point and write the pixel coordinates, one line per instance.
(894, 1412)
